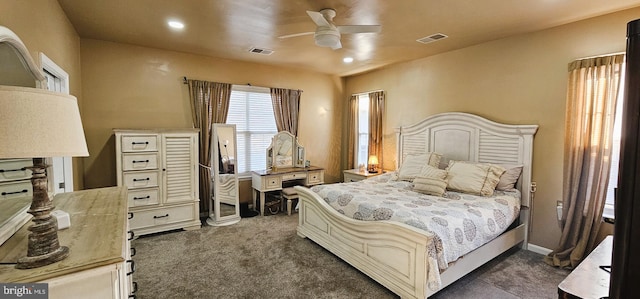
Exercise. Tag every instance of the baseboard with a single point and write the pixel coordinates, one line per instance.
(538, 249)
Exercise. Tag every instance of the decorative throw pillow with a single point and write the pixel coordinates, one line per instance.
(509, 178)
(430, 186)
(473, 178)
(429, 171)
(413, 164)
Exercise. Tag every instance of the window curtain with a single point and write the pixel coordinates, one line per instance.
(376, 113)
(286, 107)
(591, 102)
(352, 132)
(209, 104)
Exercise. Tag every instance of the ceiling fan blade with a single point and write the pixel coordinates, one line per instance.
(337, 46)
(318, 18)
(295, 35)
(348, 29)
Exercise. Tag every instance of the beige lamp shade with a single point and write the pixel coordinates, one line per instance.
(39, 123)
(373, 160)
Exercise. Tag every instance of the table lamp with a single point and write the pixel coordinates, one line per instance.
(36, 123)
(373, 164)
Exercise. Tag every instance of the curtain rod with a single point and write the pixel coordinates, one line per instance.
(602, 55)
(185, 81)
(366, 92)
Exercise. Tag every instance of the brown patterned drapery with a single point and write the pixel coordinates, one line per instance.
(286, 107)
(591, 102)
(209, 104)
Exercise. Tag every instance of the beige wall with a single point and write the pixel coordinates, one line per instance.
(136, 87)
(43, 27)
(518, 80)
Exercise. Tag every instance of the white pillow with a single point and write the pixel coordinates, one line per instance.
(509, 178)
(473, 178)
(413, 164)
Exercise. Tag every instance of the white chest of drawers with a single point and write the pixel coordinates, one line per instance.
(160, 170)
(15, 194)
(99, 264)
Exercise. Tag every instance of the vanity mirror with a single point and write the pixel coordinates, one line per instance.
(285, 152)
(225, 208)
(17, 68)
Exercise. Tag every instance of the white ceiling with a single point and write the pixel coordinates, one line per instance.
(229, 28)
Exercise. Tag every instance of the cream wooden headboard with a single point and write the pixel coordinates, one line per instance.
(468, 137)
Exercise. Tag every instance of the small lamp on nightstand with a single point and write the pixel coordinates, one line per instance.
(36, 123)
(373, 164)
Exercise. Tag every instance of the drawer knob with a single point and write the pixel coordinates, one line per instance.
(130, 215)
(144, 197)
(136, 143)
(10, 170)
(15, 192)
(140, 161)
(138, 180)
(162, 216)
(133, 252)
(131, 235)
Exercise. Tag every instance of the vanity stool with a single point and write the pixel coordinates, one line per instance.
(289, 194)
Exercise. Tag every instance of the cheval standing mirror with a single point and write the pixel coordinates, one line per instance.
(225, 208)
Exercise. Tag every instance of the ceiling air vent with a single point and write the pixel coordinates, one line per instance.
(261, 51)
(431, 38)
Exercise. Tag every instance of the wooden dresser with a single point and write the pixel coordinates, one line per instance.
(159, 167)
(98, 242)
(589, 280)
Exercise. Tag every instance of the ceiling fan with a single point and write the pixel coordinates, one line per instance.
(328, 34)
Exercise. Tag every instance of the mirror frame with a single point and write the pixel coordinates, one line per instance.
(14, 222)
(215, 219)
(297, 152)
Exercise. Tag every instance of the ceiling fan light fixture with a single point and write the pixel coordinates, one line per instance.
(327, 39)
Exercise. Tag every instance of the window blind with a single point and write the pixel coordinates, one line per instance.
(250, 109)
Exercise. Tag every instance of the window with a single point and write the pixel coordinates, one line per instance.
(362, 141)
(615, 152)
(251, 110)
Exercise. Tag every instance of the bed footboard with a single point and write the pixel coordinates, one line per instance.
(393, 254)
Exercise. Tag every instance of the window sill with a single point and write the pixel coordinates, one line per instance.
(608, 213)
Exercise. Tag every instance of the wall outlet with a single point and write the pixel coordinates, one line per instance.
(559, 209)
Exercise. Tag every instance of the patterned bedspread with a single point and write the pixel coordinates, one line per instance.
(461, 222)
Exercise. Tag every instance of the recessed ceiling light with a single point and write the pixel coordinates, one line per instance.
(176, 24)
(347, 59)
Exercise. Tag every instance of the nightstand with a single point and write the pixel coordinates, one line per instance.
(354, 175)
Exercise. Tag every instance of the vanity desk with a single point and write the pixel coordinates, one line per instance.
(268, 180)
(98, 264)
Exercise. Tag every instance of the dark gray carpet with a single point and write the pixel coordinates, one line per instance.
(262, 257)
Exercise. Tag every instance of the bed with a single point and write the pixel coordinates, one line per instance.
(396, 254)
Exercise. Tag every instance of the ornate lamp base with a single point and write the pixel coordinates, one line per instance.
(43, 247)
(30, 262)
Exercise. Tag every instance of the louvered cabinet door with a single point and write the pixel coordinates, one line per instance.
(180, 167)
